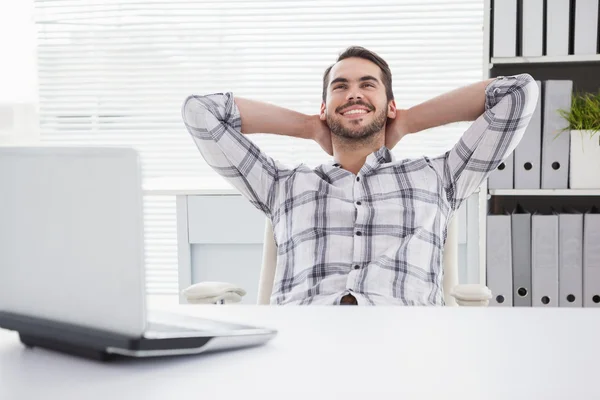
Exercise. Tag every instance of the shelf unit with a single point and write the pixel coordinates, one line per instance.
(573, 58)
(544, 192)
(583, 71)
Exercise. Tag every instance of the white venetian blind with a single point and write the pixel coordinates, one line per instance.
(117, 72)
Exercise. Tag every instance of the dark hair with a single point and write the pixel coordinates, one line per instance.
(361, 52)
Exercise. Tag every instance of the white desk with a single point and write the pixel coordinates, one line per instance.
(343, 353)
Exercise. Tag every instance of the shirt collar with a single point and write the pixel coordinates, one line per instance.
(374, 160)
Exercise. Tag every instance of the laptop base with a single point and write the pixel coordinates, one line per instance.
(101, 345)
(31, 341)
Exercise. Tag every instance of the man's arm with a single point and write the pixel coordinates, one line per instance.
(501, 108)
(218, 124)
(261, 117)
(462, 104)
(214, 121)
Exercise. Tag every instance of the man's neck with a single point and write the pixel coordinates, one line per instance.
(352, 155)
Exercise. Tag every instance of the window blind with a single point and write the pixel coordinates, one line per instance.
(117, 72)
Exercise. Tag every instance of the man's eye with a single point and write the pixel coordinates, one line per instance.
(369, 84)
(339, 87)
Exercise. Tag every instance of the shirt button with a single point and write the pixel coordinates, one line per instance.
(358, 179)
(358, 203)
(358, 233)
(357, 267)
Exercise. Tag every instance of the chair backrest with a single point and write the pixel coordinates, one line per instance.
(269, 263)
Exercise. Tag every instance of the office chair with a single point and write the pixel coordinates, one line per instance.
(226, 293)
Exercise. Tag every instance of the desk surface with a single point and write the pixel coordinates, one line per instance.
(333, 352)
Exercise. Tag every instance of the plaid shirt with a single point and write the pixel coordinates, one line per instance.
(378, 235)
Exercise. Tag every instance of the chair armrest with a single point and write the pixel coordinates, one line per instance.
(213, 293)
(472, 295)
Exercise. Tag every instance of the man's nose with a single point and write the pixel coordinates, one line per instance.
(354, 94)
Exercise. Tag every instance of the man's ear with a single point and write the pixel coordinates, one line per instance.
(323, 115)
(392, 109)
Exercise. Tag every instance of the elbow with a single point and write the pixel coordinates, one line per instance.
(528, 84)
(189, 106)
(531, 92)
(195, 115)
(523, 92)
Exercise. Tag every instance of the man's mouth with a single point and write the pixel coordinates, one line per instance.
(355, 112)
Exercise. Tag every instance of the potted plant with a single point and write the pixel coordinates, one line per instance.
(584, 124)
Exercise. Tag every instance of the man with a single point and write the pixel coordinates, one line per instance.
(365, 228)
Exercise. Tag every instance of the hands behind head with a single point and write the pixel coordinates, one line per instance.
(321, 134)
(396, 128)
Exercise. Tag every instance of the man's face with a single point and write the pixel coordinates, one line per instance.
(357, 106)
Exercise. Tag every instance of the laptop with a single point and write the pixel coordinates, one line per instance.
(72, 273)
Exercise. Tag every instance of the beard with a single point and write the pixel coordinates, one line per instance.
(358, 134)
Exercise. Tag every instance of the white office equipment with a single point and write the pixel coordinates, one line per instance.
(499, 260)
(532, 28)
(72, 259)
(528, 154)
(544, 260)
(586, 27)
(555, 145)
(584, 159)
(521, 258)
(503, 176)
(570, 241)
(505, 28)
(557, 27)
(591, 258)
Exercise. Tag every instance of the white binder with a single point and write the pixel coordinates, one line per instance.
(521, 255)
(555, 146)
(557, 27)
(499, 260)
(503, 176)
(544, 260)
(532, 28)
(505, 28)
(570, 266)
(591, 258)
(528, 154)
(586, 27)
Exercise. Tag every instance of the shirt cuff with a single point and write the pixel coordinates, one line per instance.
(493, 91)
(503, 85)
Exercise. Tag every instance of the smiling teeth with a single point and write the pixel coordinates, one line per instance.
(355, 112)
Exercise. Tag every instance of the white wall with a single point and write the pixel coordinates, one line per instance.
(18, 77)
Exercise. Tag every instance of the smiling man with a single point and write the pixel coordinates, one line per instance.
(366, 228)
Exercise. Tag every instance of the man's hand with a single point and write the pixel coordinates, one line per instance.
(320, 133)
(396, 128)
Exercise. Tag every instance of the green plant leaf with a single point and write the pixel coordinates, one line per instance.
(584, 113)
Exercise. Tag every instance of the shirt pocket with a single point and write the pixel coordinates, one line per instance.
(407, 198)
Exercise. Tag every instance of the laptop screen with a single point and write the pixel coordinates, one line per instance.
(71, 236)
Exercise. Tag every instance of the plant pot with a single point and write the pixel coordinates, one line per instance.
(584, 161)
